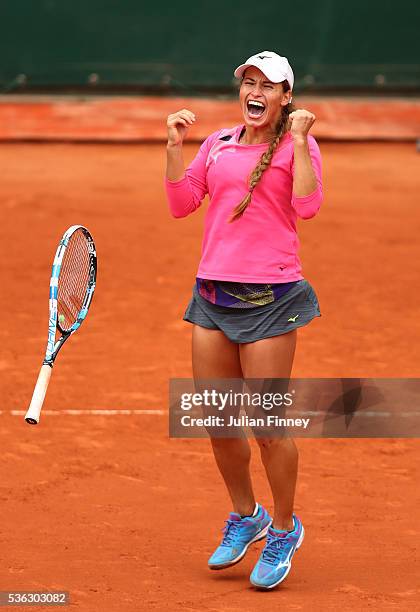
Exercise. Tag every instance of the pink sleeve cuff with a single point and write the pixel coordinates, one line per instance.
(180, 197)
(175, 183)
(308, 198)
(307, 206)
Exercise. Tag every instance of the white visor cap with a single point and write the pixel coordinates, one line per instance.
(275, 67)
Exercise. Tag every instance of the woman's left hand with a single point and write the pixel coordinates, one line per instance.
(301, 122)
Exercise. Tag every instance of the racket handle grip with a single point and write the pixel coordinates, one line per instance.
(34, 410)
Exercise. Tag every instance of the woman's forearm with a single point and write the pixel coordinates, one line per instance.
(175, 169)
(181, 197)
(304, 180)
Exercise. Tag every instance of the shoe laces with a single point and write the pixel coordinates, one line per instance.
(274, 548)
(230, 531)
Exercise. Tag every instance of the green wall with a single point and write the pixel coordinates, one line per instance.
(193, 45)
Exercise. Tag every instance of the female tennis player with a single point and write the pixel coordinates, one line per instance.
(250, 296)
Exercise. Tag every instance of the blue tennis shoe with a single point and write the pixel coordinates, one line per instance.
(238, 534)
(276, 558)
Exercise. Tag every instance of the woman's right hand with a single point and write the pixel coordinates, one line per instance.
(178, 125)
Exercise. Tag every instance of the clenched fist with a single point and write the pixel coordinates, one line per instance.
(178, 125)
(301, 122)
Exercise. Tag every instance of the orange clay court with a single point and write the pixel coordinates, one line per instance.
(109, 508)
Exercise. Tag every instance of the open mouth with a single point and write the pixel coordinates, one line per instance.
(255, 109)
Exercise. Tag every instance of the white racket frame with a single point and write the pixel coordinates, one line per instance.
(33, 413)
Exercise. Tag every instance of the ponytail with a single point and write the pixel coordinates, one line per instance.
(265, 160)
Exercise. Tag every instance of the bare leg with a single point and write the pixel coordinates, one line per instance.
(273, 358)
(215, 356)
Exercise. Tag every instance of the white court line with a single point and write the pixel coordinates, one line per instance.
(105, 412)
(89, 412)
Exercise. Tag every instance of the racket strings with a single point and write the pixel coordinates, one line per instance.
(73, 280)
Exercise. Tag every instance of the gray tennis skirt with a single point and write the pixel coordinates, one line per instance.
(294, 309)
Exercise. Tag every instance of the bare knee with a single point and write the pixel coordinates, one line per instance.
(268, 445)
(232, 447)
(265, 444)
(222, 442)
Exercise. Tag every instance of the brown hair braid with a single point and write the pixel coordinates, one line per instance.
(265, 159)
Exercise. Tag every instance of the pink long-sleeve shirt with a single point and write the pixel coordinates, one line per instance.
(261, 246)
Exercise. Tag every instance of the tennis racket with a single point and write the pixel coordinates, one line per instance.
(72, 285)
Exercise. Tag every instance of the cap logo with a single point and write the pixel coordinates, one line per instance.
(263, 56)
